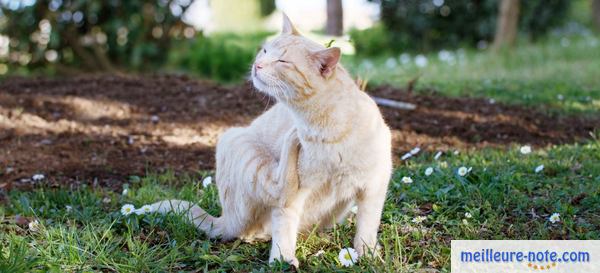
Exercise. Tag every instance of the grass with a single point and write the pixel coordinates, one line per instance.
(504, 195)
(560, 74)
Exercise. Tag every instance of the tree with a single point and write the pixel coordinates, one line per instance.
(596, 14)
(335, 18)
(507, 25)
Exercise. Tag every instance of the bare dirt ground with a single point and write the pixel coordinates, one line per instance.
(104, 128)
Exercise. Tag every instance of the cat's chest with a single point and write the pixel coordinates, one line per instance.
(320, 163)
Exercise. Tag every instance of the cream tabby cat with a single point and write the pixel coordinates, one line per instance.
(322, 148)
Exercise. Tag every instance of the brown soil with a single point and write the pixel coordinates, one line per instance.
(104, 128)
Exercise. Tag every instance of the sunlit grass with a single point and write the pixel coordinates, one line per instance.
(502, 193)
(559, 74)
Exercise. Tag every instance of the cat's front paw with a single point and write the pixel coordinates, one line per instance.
(293, 261)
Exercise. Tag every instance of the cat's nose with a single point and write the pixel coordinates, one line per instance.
(258, 66)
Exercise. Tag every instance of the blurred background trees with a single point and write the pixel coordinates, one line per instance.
(68, 36)
(94, 35)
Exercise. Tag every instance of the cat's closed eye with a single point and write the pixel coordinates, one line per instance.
(282, 61)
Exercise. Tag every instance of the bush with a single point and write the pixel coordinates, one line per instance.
(429, 25)
(93, 35)
(372, 41)
(224, 57)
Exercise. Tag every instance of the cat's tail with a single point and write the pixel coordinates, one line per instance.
(205, 222)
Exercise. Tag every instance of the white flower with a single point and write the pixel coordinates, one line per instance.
(405, 58)
(419, 219)
(154, 118)
(555, 217)
(420, 60)
(428, 171)
(456, 152)
(391, 63)
(406, 156)
(348, 256)
(354, 209)
(34, 226)
(106, 200)
(69, 208)
(407, 180)
(125, 191)
(38, 177)
(207, 181)
(127, 209)
(415, 151)
(437, 156)
(462, 171)
(560, 97)
(525, 149)
(144, 210)
(465, 221)
(539, 168)
(468, 215)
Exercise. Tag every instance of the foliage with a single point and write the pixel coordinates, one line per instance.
(223, 57)
(372, 41)
(427, 25)
(93, 35)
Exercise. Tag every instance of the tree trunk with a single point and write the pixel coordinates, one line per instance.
(335, 18)
(507, 25)
(596, 14)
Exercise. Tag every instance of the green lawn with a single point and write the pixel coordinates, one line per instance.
(503, 194)
(560, 73)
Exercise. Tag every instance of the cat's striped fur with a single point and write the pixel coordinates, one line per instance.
(322, 148)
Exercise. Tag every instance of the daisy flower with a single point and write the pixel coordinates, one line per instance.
(125, 191)
(428, 171)
(38, 177)
(462, 171)
(437, 156)
(468, 215)
(415, 151)
(207, 181)
(127, 209)
(348, 256)
(407, 180)
(419, 219)
(406, 156)
(69, 208)
(539, 168)
(525, 149)
(555, 217)
(34, 226)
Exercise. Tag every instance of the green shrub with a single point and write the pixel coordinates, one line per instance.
(371, 41)
(91, 35)
(222, 57)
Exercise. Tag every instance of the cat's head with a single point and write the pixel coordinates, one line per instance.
(292, 67)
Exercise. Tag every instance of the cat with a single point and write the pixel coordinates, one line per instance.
(322, 148)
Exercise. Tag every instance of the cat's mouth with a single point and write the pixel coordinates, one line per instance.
(259, 83)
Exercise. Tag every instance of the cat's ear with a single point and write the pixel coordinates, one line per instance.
(328, 60)
(288, 27)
